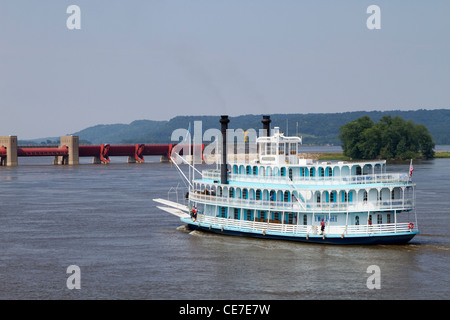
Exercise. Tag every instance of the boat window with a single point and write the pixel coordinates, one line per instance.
(231, 192)
(286, 196)
(388, 218)
(365, 196)
(258, 194)
(276, 216)
(247, 170)
(244, 193)
(332, 196)
(379, 219)
(283, 172)
(236, 213)
(321, 172)
(293, 148)
(290, 173)
(290, 218)
(222, 212)
(358, 171)
(392, 194)
(305, 219)
(318, 198)
(249, 215)
(330, 172)
(255, 170)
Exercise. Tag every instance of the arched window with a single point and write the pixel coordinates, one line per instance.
(330, 171)
(333, 196)
(272, 195)
(286, 196)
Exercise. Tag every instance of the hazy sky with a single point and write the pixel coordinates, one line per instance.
(157, 59)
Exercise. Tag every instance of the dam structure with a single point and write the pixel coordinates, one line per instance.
(68, 152)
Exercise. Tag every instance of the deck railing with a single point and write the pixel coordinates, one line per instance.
(218, 222)
(385, 178)
(361, 206)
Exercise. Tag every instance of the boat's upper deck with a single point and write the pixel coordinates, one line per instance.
(278, 161)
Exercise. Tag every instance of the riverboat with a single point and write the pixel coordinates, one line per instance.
(281, 195)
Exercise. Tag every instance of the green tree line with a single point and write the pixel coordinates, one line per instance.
(390, 138)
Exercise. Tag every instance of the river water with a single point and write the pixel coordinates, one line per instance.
(102, 219)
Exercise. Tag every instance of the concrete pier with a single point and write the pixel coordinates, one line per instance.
(10, 144)
(72, 143)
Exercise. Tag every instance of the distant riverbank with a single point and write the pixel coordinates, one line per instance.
(340, 156)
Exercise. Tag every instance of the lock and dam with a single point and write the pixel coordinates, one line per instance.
(68, 152)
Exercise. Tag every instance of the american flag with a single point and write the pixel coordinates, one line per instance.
(411, 169)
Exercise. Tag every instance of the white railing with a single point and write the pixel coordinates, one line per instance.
(256, 226)
(385, 178)
(396, 204)
(211, 174)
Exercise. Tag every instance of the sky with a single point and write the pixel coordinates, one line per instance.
(137, 59)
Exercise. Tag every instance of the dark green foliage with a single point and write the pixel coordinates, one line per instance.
(390, 138)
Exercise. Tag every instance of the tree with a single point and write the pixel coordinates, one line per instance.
(389, 138)
(352, 138)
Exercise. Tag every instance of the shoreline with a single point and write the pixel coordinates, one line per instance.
(340, 156)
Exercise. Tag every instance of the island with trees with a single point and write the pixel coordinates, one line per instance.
(390, 138)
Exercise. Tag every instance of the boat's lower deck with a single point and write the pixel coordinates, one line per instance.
(363, 234)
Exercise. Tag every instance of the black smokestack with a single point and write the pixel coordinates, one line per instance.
(266, 125)
(223, 167)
